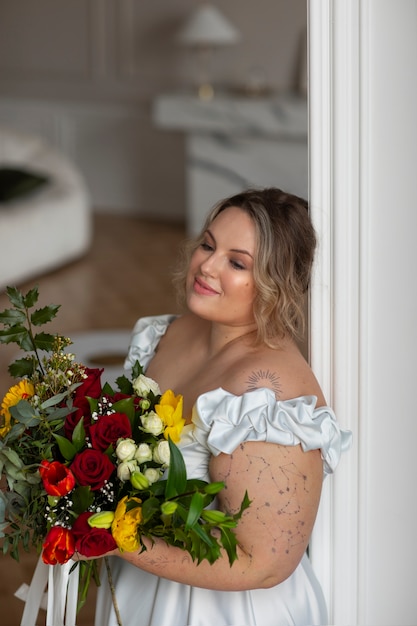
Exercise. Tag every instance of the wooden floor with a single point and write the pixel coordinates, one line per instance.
(125, 275)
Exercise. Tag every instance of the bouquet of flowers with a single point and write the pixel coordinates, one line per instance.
(86, 468)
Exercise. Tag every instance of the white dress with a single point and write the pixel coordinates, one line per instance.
(221, 421)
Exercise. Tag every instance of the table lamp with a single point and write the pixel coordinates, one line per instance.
(205, 30)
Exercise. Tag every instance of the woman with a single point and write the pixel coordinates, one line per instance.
(256, 419)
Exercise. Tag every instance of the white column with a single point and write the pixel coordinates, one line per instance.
(363, 156)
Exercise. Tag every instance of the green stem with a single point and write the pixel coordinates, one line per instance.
(32, 339)
(113, 592)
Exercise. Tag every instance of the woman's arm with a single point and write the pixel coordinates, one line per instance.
(284, 485)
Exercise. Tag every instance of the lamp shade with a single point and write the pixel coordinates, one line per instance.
(206, 26)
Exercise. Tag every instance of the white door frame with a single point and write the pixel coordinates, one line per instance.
(363, 318)
(334, 319)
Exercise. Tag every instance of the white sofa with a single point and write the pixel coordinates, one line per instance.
(47, 227)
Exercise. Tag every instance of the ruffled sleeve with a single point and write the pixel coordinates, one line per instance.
(223, 421)
(145, 338)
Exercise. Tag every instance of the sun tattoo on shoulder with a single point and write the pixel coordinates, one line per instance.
(264, 378)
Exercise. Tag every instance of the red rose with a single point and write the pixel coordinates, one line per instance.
(91, 542)
(81, 526)
(57, 479)
(90, 387)
(92, 467)
(118, 395)
(108, 429)
(59, 546)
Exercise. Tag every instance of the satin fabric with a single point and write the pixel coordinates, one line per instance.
(221, 421)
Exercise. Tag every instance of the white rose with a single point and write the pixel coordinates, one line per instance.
(152, 424)
(125, 469)
(161, 453)
(152, 474)
(125, 449)
(144, 385)
(143, 453)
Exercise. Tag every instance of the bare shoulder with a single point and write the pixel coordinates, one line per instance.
(284, 371)
(180, 330)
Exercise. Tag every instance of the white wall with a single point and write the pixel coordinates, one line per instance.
(84, 74)
(363, 151)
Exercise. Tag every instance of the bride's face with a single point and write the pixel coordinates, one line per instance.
(220, 282)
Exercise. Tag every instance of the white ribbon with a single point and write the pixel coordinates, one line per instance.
(62, 595)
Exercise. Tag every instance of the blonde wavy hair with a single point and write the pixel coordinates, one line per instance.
(286, 243)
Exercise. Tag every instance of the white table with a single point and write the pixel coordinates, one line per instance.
(234, 142)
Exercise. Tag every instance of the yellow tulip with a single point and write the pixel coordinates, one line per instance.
(169, 410)
(126, 524)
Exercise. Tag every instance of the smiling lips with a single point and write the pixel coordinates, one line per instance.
(202, 288)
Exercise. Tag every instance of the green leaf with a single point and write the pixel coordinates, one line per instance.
(194, 512)
(67, 449)
(13, 476)
(124, 385)
(200, 532)
(137, 370)
(177, 474)
(107, 389)
(57, 415)
(24, 413)
(88, 570)
(158, 488)
(21, 487)
(245, 504)
(44, 341)
(149, 508)
(31, 298)
(78, 435)
(12, 457)
(82, 498)
(132, 504)
(229, 543)
(26, 343)
(196, 484)
(44, 315)
(16, 431)
(54, 400)
(126, 405)
(180, 536)
(12, 317)
(214, 488)
(16, 297)
(26, 538)
(32, 479)
(14, 334)
(22, 367)
(92, 403)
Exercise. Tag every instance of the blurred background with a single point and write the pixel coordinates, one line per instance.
(90, 76)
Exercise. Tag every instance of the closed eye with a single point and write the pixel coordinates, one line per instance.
(237, 265)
